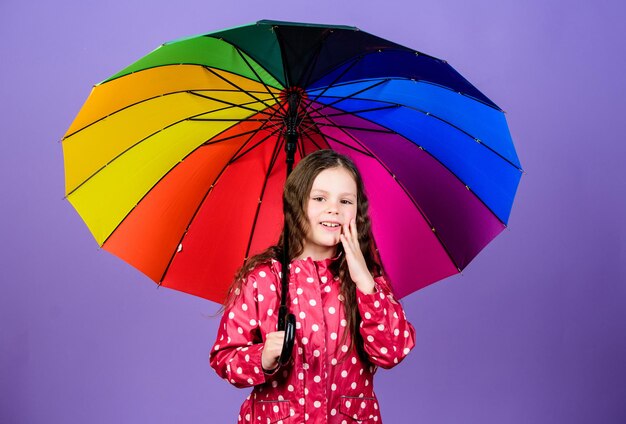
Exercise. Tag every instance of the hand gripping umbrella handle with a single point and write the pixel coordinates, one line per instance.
(290, 335)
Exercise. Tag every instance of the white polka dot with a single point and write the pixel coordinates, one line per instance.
(239, 370)
(406, 333)
(406, 350)
(261, 297)
(327, 289)
(237, 291)
(395, 315)
(381, 327)
(315, 327)
(344, 348)
(262, 274)
(367, 383)
(244, 306)
(331, 310)
(305, 340)
(305, 366)
(290, 388)
(295, 301)
(302, 315)
(333, 412)
(217, 347)
(270, 312)
(383, 350)
(240, 330)
(309, 279)
(298, 325)
(341, 298)
(324, 279)
(312, 302)
(256, 370)
(344, 373)
(368, 315)
(333, 387)
(317, 378)
(306, 391)
(231, 315)
(276, 409)
(334, 361)
(250, 381)
(333, 336)
(396, 332)
(354, 360)
(344, 323)
(301, 401)
(317, 404)
(377, 303)
(272, 287)
(297, 269)
(299, 290)
(247, 358)
(370, 339)
(375, 405)
(348, 403)
(353, 385)
(363, 405)
(316, 353)
(252, 322)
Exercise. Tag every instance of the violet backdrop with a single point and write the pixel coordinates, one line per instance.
(534, 331)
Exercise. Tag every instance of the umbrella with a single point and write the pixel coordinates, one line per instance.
(177, 162)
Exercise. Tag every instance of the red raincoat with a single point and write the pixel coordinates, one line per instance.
(316, 386)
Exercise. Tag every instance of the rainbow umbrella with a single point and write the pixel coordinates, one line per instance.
(177, 162)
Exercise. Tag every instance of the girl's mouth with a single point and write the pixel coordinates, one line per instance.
(331, 225)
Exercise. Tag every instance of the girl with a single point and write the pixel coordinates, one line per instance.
(348, 322)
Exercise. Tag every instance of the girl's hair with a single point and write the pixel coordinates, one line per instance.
(295, 200)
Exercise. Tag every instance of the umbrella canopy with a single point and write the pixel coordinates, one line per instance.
(177, 162)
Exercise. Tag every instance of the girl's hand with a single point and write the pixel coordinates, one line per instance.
(356, 262)
(271, 350)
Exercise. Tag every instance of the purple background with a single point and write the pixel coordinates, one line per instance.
(534, 331)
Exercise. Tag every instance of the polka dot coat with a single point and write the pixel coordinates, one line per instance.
(317, 386)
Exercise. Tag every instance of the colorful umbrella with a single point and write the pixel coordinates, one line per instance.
(177, 162)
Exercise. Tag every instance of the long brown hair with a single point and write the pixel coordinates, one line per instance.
(295, 199)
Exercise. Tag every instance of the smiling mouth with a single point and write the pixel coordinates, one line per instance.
(330, 224)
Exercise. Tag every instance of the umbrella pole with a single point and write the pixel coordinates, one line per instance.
(287, 321)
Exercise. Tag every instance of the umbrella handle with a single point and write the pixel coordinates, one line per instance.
(290, 335)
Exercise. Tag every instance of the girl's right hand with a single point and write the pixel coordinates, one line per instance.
(272, 349)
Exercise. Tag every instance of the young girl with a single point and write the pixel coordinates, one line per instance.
(348, 322)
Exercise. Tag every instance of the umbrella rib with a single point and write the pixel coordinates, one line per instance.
(341, 99)
(313, 60)
(233, 104)
(281, 46)
(206, 194)
(147, 100)
(259, 78)
(236, 86)
(345, 71)
(444, 121)
(258, 208)
(409, 196)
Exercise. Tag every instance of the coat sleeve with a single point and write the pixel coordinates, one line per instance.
(236, 354)
(387, 335)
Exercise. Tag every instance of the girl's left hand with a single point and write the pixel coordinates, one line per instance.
(356, 262)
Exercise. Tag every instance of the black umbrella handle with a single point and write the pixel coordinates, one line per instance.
(290, 336)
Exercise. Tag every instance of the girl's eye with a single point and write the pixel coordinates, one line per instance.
(318, 198)
(346, 202)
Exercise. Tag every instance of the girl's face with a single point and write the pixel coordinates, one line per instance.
(331, 203)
